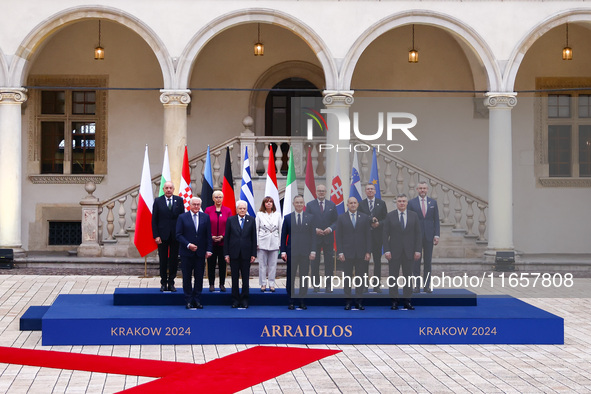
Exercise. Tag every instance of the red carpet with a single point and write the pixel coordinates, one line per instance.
(229, 374)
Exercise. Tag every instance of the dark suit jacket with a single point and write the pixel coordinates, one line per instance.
(164, 219)
(324, 219)
(298, 240)
(353, 242)
(186, 234)
(240, 242)
(379, 212)
(398, 241)
(430, 223)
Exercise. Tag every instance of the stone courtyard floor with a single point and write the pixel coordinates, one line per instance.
(357, 369)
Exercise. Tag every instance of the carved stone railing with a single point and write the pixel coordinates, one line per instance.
(114, 217)
(457, 206)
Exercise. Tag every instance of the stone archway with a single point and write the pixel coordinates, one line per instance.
(466, 37)
(28, 49)
(313, 40)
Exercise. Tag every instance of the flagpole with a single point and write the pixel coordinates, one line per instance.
(145, 268)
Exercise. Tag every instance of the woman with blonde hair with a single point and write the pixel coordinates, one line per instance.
(268, 222)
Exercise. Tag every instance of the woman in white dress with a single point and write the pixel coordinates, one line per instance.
(268, 230)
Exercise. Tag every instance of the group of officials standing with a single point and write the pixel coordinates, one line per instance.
(404, 236)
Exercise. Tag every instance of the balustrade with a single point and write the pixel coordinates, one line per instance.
(396, 176)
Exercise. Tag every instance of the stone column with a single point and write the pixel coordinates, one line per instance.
(500, 172)
(175, 129)
(338, 102)
(90, 246)
(11, 100)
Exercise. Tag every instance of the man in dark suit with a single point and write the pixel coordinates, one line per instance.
(376, 209)
(353, 235)
(402, 246)
(428, 212)
(325, 216)
(240, 250)
(298, 248)
(193, 231)
(165, 212)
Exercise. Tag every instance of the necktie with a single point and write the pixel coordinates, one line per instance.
(402, 220)
(371, 206)
(195, 221)
(321, 206)
(423, 207)
(169, 203)
(299, 220)
(242, 222)
(353, 219)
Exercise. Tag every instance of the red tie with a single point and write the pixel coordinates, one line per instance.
(423, 207)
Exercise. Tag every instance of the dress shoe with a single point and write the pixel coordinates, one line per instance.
(394, 306)
(272, 290)
(428, 290)
(408, 306)
(263, 288)
(172, 288)
(377, 289)
(235, 305)
(303, 306)
(189, 306)
(291, 307)
(316, 289)
(329, 291)
(347, 307)
(416, 290)
(360, 307)
(163, 288)
(198, 305)
(245, 305)
(222, 288)
(211, 288)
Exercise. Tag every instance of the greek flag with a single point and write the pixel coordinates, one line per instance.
(246, 187)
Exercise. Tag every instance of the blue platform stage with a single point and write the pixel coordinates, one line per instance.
(96, 320)
(152, 296)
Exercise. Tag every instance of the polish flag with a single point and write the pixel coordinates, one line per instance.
(143, 239)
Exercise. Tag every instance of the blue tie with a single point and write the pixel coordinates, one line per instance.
(241, 222)
(353, 219)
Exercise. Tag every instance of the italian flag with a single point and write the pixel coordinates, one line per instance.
(291, 186)
(143, 240)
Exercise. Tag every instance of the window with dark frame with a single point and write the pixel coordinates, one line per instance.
(569, 135)
(75, 112)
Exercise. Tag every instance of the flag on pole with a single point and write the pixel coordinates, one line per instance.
(143, 239)
(271, 189)
(246, 186)
(355, 190)
(228, 185)
(291, 186)
(165, 177)
(310, 187)
(373, 177)
(185, 188)
(336, 189)
(207, 187)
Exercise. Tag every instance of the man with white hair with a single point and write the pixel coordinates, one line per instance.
(193, 231)
(240, 250)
